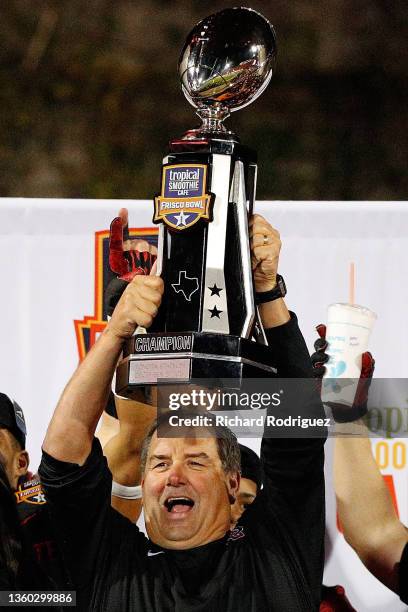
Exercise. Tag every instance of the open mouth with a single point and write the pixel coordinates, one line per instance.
(178, 504)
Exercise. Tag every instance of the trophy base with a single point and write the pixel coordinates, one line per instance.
(182, 357)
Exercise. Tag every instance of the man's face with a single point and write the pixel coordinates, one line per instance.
(186, 493)
(13, 459)
(246, 496)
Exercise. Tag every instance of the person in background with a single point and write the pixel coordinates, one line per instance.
(334, 598)
(123, 453)
(364, 505)
(125, 422)
(250, 483)
(13, 465)
(29, 557)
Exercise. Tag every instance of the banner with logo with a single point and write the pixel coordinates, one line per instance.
(54, 267)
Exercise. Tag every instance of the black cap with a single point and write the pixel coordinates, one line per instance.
(251, 465)
(12, 418)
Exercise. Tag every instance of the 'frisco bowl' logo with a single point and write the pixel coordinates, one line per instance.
(183, 200)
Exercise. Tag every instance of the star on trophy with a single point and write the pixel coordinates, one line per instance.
(208, 321)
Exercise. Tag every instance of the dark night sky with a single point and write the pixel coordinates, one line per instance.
(90, 97)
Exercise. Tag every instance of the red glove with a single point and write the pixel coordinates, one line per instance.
(334, 599)
(320, 357)
(128, 257)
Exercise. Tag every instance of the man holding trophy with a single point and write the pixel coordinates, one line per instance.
(205, 320)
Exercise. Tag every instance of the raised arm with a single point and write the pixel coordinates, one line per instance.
(72, 427)
(123, 452)
(370, 523)
(265, 249)
(292, 500)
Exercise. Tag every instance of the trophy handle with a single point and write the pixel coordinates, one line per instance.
(238, 196)
(243, 191)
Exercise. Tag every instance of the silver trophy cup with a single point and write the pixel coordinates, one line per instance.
(226, 63)
(208, 319)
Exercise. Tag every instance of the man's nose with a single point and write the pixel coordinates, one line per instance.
(176, 475)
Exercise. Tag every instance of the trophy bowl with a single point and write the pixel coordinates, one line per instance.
(226, 62)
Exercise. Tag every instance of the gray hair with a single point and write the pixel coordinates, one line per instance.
(227, 444)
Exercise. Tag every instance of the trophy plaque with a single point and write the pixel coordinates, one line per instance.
(208, 324)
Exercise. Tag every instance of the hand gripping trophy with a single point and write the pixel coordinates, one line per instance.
(208, 321)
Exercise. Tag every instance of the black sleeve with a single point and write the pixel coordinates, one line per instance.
(289, 350)
(292, 501)
(79, 500)
(403, 575)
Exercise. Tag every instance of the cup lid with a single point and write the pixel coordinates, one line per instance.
(355, 308)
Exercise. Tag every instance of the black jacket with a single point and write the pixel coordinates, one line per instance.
(273, 560)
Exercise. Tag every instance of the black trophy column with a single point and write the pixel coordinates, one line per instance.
(183, 257)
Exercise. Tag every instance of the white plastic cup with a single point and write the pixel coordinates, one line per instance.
(348, 332)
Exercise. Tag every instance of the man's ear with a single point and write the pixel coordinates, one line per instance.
(233, 480)
(22, 461)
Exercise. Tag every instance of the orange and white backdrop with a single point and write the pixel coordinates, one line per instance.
(52, 257)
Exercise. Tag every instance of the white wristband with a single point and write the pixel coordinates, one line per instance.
(124, 492)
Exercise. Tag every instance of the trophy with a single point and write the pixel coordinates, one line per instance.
(208, 325)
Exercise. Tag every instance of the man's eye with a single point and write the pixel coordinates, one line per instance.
(196, 464)
(162, 464)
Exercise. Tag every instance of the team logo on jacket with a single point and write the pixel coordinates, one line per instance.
(183, 200)
(30, 492)
(236, 534)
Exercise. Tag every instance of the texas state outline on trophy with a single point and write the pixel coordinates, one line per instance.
(208, 320)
